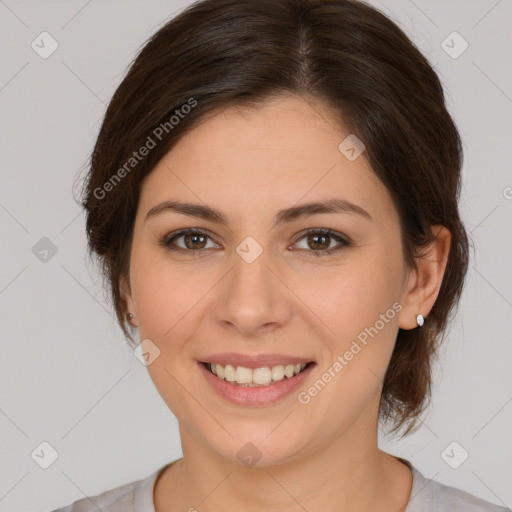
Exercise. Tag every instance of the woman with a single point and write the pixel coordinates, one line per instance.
(273, 197)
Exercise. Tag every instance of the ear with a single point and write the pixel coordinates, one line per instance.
(126, 295)
(425, 281)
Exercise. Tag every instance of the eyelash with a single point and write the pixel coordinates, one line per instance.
(168, 240)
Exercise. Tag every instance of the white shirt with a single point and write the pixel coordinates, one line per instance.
(426, 496)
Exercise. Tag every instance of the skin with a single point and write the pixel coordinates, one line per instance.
(250, 163)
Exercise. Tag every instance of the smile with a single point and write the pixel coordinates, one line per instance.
(257, 386)
(257, 377)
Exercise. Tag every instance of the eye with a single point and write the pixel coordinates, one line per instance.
(318, 241)
(193, 241)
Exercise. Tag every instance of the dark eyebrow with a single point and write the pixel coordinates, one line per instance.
(287, 215)
(327, 206)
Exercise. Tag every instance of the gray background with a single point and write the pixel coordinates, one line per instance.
(67, 377)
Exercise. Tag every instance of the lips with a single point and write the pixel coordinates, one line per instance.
(255, 380)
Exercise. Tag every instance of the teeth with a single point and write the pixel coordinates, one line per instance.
(289, 370)
(262, 376)
(243, 375)
(219, 370)
(229, 373)
(277, 373)
(257, 377)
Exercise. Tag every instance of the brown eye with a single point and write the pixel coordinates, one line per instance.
(319, 242)
(187, 241)
(194, 241)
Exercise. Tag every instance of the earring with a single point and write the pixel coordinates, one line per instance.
(130, 316)
(420, 320)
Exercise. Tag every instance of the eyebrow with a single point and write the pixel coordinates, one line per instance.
(206, 212)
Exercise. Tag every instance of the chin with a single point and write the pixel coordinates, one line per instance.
(255, 448)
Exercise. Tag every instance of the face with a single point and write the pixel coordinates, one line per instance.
(266, 284)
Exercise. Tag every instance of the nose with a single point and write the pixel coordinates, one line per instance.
(253, 298)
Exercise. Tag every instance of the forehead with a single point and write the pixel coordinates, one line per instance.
(283, 153)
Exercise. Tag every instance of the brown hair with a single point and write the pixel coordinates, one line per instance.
(221, 53)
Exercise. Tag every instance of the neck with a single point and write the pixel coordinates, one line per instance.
(351, 474)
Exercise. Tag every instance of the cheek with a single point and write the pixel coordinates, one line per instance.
(156, 303)
(169, 309)
(167, 295)
(351, 297)
(358, 302)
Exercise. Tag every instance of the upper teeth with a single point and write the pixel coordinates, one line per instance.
(259, 376)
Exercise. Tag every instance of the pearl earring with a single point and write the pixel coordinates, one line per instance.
(420, 320)
(130, 316)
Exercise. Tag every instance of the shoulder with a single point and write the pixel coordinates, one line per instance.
(113, 500)
(429, 495)
(133, 496)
